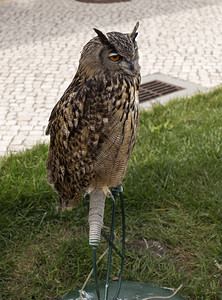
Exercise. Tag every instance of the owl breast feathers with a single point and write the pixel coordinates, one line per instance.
(94, 125)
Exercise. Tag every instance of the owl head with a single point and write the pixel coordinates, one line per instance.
(113, 52)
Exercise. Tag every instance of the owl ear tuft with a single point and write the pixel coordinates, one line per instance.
(102, 36)
(134, 34)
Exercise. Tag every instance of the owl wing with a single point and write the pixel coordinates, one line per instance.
(76, 128)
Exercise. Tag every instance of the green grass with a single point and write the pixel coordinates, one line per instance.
(173, 196)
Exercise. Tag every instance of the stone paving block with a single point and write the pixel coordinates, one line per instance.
(3, 149)
(6, 139)
(40, 56)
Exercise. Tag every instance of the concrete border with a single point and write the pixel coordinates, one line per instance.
(189, 89)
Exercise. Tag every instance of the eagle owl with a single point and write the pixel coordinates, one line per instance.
(93, 126)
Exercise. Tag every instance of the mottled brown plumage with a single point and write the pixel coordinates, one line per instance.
(94, 125)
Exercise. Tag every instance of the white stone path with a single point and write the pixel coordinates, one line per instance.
(40, 44)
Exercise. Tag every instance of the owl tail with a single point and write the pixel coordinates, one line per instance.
(96, 212)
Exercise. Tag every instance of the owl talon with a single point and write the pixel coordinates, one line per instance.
(85, 195)
(110, 195)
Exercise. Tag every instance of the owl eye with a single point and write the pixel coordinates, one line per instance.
(114, 57)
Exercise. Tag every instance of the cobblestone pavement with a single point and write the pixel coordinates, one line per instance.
(40, 44)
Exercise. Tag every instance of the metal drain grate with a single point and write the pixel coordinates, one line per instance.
(155, 88)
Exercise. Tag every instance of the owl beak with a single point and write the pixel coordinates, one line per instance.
(131, 66)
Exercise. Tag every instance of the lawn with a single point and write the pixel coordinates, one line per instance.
(173, 203)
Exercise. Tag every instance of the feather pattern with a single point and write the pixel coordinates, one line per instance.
(94, 125)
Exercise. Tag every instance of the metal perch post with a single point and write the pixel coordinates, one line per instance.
(117, 193)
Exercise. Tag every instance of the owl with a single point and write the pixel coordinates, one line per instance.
(93, 126)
